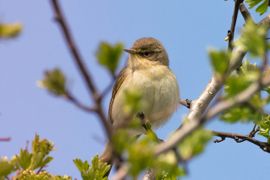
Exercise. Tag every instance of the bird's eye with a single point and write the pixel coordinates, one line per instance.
(146, 54)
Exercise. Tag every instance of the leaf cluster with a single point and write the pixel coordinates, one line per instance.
(262, 5)
(253, 39)
(54, 81)
(97, 170)
(195, 143)
(29, 165)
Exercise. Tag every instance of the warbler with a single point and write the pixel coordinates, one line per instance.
(147, 71)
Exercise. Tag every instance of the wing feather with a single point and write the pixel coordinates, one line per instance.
(119, 81)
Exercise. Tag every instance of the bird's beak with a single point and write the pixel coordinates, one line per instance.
(130, 51)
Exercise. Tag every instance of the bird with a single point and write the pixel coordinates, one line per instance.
(147, 71)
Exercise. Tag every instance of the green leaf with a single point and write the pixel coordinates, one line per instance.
(133, 101)
(253, 39)
(41, 146)
(10, 30)
(241, 113)
(121, 140)
(264, 125)
(6, 167)
(262, 5)
(167, 167)
(220, 61)
(40, 150)
(81, 166)
(141, 155)
(237, 83)
(24, 159)
(43, 175)
(54, 81)
(194, 144)
(26, 163)
(97, 170)
(109, 55)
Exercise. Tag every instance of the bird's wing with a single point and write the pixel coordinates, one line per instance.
(119, 81)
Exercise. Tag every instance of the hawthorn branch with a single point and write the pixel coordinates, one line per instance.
(77, 103)
(254, 131)
(195, 115)
(241, 138)
(244, 11)
(78, 60)
(187, 103)
(107, 89)
(234, 19)
(195, 118)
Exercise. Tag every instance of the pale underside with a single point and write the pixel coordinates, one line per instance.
(158, 88)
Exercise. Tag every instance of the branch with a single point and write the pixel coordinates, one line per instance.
(107, 89)
(234, 19)
(195, 117)
(5, 139)
(78, 60)
(187, 103)
(244, 11)
(240, 138)
(77, 103)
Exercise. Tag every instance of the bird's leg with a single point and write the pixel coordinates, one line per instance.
(147, 127)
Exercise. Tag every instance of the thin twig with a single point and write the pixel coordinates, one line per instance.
(5, 139)
(254, 131)
(234, 19)
(107, 89)
(187, 103)
(77, 103)
(78, 60)
(240, 138)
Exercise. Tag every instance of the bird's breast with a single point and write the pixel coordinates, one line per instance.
(159, 94)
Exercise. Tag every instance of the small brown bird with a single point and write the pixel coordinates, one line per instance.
(147, 71)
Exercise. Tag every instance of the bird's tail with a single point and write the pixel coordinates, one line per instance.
(107, 154)
(107, 157)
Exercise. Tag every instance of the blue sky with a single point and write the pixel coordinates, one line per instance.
(187, 30)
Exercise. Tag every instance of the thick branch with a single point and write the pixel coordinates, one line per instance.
(78, 60)
(200, 106)
(244, 11)
(195, 116)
